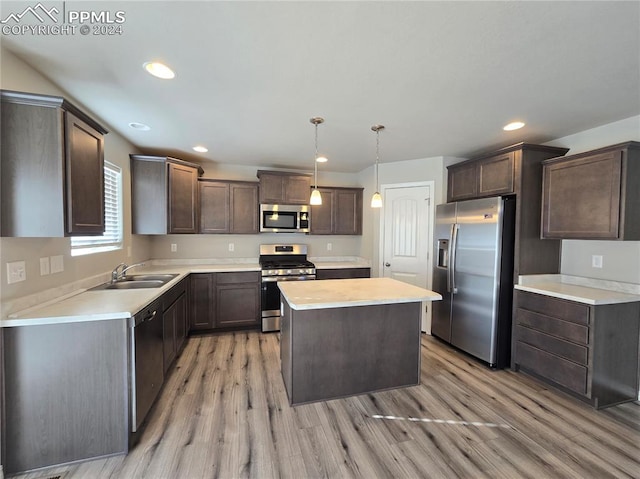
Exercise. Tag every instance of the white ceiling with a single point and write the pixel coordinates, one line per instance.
(443, 77)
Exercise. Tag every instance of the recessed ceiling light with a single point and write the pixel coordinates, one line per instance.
(321, 159)
(139, 126)
(200, 149)
(159, 70)
(516, 125)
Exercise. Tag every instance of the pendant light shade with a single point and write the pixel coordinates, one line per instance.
(376, 199)
(316, 198)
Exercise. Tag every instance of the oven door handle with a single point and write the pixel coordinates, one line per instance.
(274, 279)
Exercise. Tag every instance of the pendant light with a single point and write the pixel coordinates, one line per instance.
(316, 198)
(376, 199)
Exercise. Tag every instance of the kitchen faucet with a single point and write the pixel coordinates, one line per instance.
(115, 275)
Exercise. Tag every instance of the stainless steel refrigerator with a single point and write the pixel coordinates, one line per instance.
(474, 248)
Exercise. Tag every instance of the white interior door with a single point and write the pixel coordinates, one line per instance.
(406, 233)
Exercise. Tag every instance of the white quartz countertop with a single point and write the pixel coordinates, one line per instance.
(86, 305)
(340, 264)
(582, 290)
(340, 293)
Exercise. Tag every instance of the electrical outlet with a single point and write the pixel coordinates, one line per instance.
(57, 264)
(596, 261)
(174, 247)
(128, 251)
(329, 246)
(232, 247)
(44, 266)
(16, 272)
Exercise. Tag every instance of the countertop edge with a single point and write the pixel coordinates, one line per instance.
(540, 289)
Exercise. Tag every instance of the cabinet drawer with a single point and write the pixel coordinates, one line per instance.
(556, 327)
(558, 308)
(551, 344)
(562, 371)
(240, 277)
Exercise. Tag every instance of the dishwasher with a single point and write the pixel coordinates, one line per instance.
(147, 372)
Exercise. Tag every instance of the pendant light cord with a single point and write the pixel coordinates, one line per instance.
(315, 162)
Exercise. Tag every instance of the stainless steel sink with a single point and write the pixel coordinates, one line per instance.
(165, 278)
(138, 281)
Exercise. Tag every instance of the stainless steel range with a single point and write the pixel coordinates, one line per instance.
(281, 262)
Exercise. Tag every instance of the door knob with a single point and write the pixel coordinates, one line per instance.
(387, 264)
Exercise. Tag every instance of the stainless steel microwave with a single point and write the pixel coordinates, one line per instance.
(284, 219)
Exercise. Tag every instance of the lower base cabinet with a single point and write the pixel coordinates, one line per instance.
(588, 351)
(343, 273)
(174, 319)
(225, 300)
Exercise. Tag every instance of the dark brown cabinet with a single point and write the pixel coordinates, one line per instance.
(593, 195)
(224, 300)
(340, 212)
(237, 299)
(202, 299)
(174, 319)
(228, 207)
(164, 195)
(284, 188)
(48, 142)
(590, 351)
(479, 178)
(514, 170)
(343, 273)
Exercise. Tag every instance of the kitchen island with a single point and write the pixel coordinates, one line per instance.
(349, 336)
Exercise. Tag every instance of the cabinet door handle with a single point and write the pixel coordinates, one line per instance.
(151, 316)
(387, 264)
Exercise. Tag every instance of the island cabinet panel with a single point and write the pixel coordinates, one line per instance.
(593, 195)
(164, 195)
(228, 207)
(49, 142)
(340, 212)
(337, 352)
(590, 351)
(284, 188)
(225, 300)
(343, 273)
(69, 401)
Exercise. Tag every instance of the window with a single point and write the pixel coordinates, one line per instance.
(112, 237)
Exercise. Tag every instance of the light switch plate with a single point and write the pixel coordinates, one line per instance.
(16, 272)
(57, 264)
(174, 247)
(44, 266)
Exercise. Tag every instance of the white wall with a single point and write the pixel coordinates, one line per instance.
(409, 171)
(621, 259)
(17, 75)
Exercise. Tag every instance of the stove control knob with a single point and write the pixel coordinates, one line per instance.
(288, 271)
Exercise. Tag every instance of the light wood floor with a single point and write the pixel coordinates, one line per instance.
(224, 413)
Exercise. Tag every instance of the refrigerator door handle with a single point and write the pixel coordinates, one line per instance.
(452, 263)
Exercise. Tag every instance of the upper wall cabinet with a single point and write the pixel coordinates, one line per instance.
(593, 195)
(228, 206)
(282, 188)
(164, 195)
(339, 214)
(52, 168)
(514, 170)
